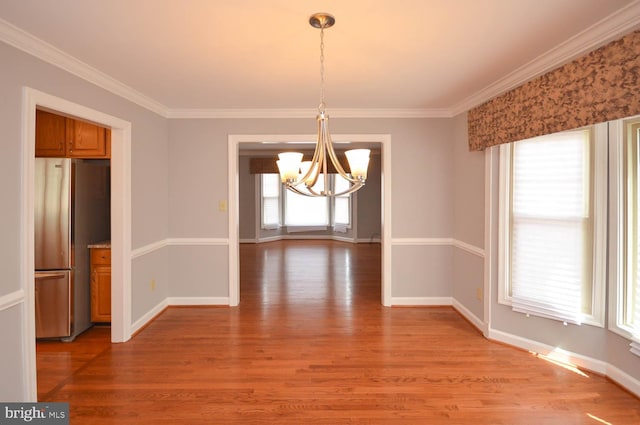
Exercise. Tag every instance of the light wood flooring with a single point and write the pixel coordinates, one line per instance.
(311, 343)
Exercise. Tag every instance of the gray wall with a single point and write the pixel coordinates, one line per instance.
(468, 218)
(149, 188)
(421, 151)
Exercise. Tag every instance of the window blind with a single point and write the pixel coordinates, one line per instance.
(551, 243)
(303, 210)
(341, 204)
(270, 201)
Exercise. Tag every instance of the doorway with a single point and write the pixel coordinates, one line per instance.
(238, 142)
(120, 219)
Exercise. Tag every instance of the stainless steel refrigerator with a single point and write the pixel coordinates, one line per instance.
(72, 199)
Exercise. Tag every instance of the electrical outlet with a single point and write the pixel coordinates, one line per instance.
(153, 284)
(479, 294)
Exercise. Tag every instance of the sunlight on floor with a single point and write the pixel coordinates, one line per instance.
(595, 418)
(560, 358)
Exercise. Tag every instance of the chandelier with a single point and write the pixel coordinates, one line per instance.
(301, 176)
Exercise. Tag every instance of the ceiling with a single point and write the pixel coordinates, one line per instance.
(432, 57)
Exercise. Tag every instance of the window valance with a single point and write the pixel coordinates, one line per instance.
(600, 86)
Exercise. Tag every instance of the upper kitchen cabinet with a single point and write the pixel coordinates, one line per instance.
(87, 140)
(58, 136)
(51, 135)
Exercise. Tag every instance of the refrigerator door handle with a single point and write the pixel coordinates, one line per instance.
(48, 275)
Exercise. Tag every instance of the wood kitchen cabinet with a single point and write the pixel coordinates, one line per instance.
(101, 285)
(62, 137)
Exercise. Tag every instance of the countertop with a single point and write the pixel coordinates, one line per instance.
(103, 244)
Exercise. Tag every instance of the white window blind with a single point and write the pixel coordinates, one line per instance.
(551, 230)
(341, 204)
(270, 201)
(305, 211)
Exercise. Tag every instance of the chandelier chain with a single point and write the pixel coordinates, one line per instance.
(322, 106)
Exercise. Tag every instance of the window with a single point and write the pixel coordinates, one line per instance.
(552, 226)
(341, 204)
(306, 211)
(270, 201)
(628, 308)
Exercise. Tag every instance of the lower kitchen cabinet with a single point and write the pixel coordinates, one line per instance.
(101, 285)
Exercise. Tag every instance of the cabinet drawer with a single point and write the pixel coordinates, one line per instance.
(100, 256)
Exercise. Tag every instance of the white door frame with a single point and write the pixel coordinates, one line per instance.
(120, 220)
(233, 191)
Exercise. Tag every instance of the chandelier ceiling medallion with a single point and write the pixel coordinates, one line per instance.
(301, 176)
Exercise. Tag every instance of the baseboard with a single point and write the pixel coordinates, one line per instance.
(598, 366)
(148, 317)
(198, 300)
(368, 240)
(467, 314)
(579, 360)
(421, 301)
(624, 380)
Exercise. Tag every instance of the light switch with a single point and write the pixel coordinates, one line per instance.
(222, 205)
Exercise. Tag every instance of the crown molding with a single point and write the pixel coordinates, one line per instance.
(607, 29)
(306, 113)
(34, 46)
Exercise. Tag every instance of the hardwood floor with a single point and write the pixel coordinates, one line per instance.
(311, 343)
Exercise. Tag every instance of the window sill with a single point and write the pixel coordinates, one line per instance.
(298, 229)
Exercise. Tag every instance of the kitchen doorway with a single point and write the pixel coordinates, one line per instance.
(120, 220)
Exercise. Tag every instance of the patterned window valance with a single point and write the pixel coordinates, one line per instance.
(600, 86)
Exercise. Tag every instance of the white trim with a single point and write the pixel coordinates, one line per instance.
(154, 246)
(34, 46)
(422, 301)
(386, 231)
(308, 113)
(617, 227)
(234, 141)
(120, 221)
(422, 241)
(600, 222)
(537, 347)
(504, 224)
(368, 240)
(589, 363)
(607, 29)
(491, 159)
(148, 249)
(198, 241)
(11, 299)
(149, 316)
(472, 249)
(623, 379)
(475, 320)
(198, 301)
